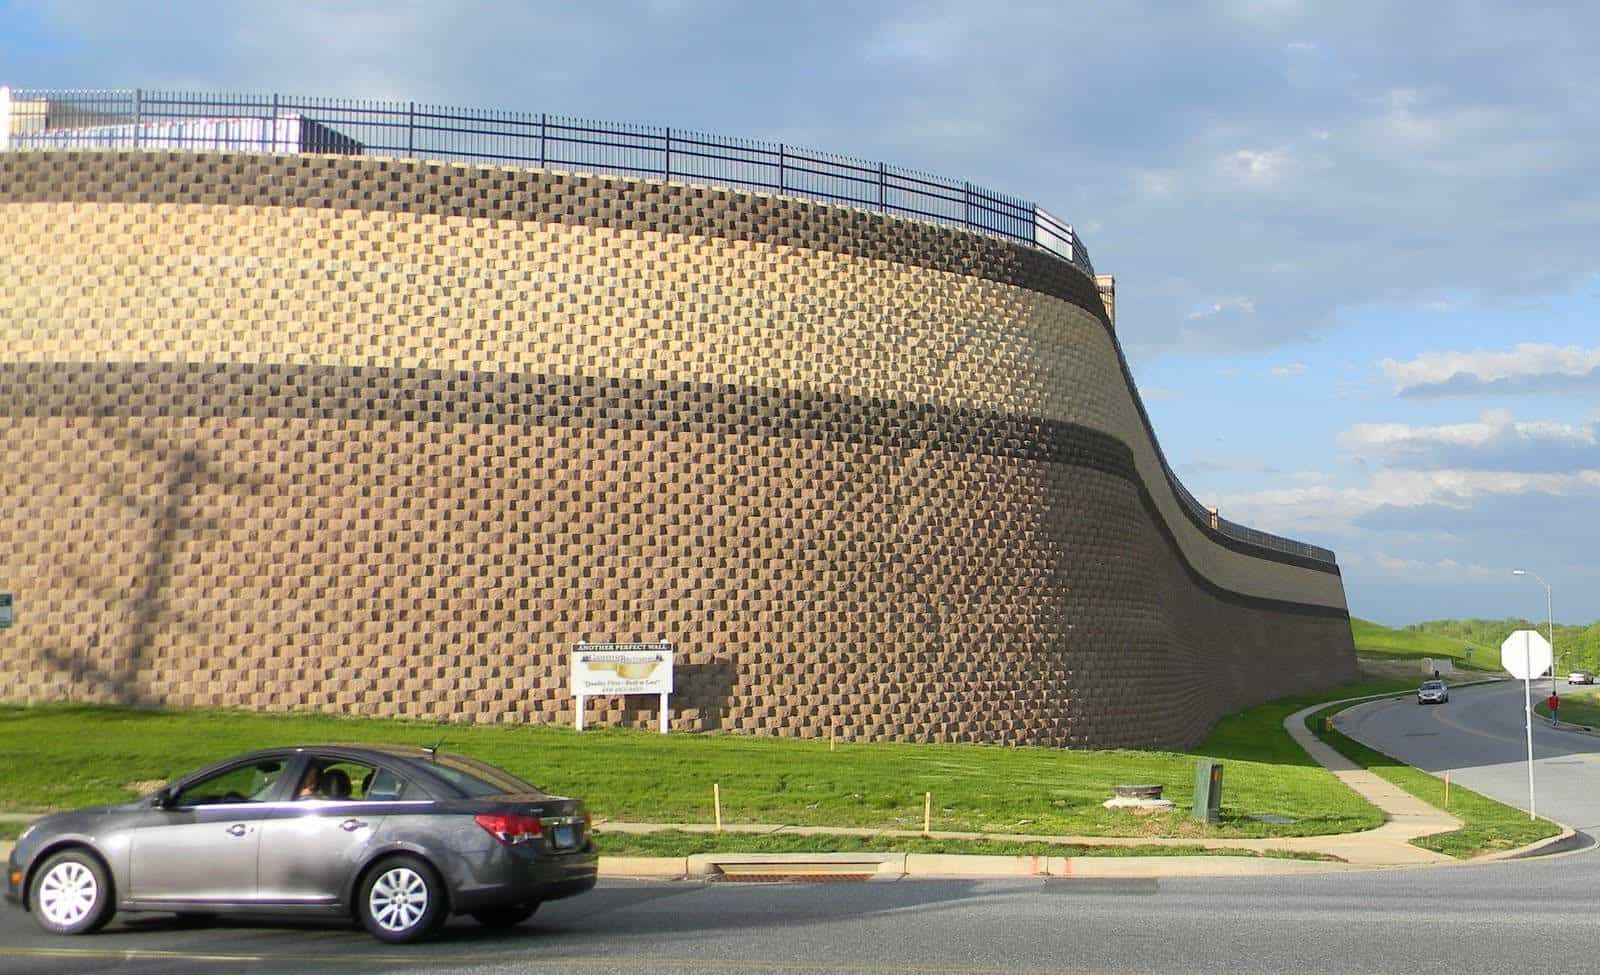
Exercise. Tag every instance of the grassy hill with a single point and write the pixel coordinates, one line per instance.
(1377, 640)
(1577, 647)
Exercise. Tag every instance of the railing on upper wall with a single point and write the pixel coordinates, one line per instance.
(135, 118)
(140, 119)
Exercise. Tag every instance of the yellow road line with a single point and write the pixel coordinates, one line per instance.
(1439, 715)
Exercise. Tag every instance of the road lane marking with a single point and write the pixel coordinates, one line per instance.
(1439, 716)
(129, 954)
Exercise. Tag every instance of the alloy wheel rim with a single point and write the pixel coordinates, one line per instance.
(399, 898)
(67, 894)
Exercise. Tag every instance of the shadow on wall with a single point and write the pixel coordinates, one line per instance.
(100, 670)
(700, 691)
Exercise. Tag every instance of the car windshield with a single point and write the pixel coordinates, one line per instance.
(477, 778)
(1432, 685)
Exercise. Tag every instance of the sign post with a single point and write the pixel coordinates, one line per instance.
(1526, 654)
(622, 668)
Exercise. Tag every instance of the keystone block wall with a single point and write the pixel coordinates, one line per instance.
(388, 437)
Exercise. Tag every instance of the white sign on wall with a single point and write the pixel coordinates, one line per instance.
(622, 668)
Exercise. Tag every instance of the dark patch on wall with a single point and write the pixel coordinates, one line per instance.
(386, 394)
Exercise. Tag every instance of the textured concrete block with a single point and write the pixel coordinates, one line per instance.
(387, 437)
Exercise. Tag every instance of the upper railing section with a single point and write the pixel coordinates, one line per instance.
(135, 118)
(132, 118)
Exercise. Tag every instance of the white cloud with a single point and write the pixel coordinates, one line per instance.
(1257, 167)
(1218, 307)
(1292, 369)
(1329, 510)
(1527, 364)
(1384, 440)
(1422, 570)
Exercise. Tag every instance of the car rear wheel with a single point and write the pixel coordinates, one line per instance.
(71, 894)
(508, 916)
(401, 900)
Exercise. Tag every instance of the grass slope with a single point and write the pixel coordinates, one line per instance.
(62, 756)
(1377, 640)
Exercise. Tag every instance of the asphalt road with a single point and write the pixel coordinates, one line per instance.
(1479, 738)
(1493, 918)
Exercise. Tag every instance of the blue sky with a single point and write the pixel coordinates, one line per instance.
(1357, 245)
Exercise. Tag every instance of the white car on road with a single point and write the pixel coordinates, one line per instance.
(1432, 692)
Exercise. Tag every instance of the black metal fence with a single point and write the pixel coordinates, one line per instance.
(136, 118)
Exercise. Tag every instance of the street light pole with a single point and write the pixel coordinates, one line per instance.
(1549, 625)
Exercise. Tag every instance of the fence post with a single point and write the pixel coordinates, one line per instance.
(966, 203)
(882, 173)
(780, 169)
(138, 114)
(274, 147)
(411, 128)
(542, 118)
(668, 167)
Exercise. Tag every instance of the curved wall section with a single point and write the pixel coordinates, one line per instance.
(389, 437)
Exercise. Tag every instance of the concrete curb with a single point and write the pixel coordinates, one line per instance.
(898, 866)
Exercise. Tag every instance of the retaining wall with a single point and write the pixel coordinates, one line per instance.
(388, 437)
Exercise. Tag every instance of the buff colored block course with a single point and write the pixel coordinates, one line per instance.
(358, 435)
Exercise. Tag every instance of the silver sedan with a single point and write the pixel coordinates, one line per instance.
(397, 838)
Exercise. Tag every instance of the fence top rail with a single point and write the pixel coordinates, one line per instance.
(141, 118)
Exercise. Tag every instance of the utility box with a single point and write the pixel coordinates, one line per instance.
(1207, 791)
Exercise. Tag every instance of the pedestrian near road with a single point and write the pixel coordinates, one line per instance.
(1554, 703)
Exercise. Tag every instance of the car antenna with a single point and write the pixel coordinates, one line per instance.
(433, 750)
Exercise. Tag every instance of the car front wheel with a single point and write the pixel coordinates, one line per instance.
(71, 894)
(401, 900)
(508, 916)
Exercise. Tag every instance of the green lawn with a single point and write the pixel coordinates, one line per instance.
(60, 756)
(1377, 640)
(1488, 826)
(1577, 707)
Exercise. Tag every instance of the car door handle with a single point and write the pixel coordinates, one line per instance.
(238, 829)
(351, 825)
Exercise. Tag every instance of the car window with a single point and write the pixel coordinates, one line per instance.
(385, 787)
(251, 782)
(335, 780)
(476, 778)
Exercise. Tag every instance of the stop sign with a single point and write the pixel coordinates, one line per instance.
(1526, 654)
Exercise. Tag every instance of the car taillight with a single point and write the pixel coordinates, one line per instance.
(509, 827)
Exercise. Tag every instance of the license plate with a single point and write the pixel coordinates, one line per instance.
(566, 837)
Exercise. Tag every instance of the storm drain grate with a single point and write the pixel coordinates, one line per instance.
(790, 878)
(810, 873)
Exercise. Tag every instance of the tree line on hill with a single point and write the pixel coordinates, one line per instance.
(1577, 647)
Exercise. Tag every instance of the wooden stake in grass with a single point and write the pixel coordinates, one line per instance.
(1447, 790)
(927, 813)
(716, 802)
